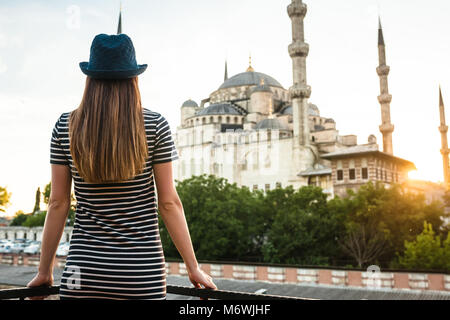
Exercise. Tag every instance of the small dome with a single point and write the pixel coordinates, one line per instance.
(190, 103)
(250, 78)
(270, 123)
(287, 110)
(329, 120)
(313, 110)
(218, 108)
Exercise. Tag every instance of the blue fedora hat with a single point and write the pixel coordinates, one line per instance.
(112, 57)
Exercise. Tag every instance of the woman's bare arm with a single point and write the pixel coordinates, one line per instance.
(171, 210)
(58, 209)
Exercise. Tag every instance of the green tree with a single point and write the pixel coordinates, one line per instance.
(37, 201)
(46, 193)
(304, 230)
(380, 219)
(219, 216)
(4, 198)
(19, 218)
(427, 251)
(35, 220)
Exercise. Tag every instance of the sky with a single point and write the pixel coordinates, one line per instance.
(186, 43)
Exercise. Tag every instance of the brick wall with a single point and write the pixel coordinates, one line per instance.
(306, 276)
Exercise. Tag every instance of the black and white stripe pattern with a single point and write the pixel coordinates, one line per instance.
(115, 251)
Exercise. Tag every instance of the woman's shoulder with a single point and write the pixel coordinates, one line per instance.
(153, 116)
(63, 119)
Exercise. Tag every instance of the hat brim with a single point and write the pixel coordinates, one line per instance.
(112, 74)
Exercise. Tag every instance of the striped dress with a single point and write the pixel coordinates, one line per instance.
(115, 250)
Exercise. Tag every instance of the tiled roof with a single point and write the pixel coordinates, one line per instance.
(371, 148)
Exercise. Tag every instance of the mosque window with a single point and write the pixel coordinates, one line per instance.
(351, 173)
(211, 119)
(376, 173)
(278, 184)
(364, 173)
(235, 119)
(392, 177)
(340, 174)
(220, 119)
(267, 187)
(255, 187)
(204, 120)
(228, 119)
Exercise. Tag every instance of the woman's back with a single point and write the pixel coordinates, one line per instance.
(116, 152)
(115, 250)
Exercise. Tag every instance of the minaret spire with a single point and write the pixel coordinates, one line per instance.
(386, 127)
(250, 68)
(443, 128)
(225, 78)
(300, 91)
(119, 27)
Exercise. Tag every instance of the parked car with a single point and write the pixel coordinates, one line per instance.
(33, 248)
(63, 249)
(17, 247)
(5, 247)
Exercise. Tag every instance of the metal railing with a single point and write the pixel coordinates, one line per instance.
(22, 293)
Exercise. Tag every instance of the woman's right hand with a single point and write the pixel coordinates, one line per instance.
(199, 278)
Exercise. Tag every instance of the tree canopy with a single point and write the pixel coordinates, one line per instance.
(4, 198)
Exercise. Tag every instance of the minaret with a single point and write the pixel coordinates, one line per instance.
(300, 91)
(443, 128)
(119, 27)
(386, 127)
(225, 78)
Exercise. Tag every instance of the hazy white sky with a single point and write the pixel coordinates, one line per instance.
(185, 44)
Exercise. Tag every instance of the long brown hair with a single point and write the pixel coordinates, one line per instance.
(107, 133)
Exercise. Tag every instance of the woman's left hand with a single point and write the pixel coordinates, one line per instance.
(41, 280)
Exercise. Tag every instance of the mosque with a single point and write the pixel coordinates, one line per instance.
(256, 133)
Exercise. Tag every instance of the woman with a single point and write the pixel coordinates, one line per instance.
(116, 151)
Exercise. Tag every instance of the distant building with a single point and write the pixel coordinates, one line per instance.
(4, 222)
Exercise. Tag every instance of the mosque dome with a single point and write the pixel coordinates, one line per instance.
(270, 123)
(218, 108)
(250, 78)
(190, 103)
(262, 87)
